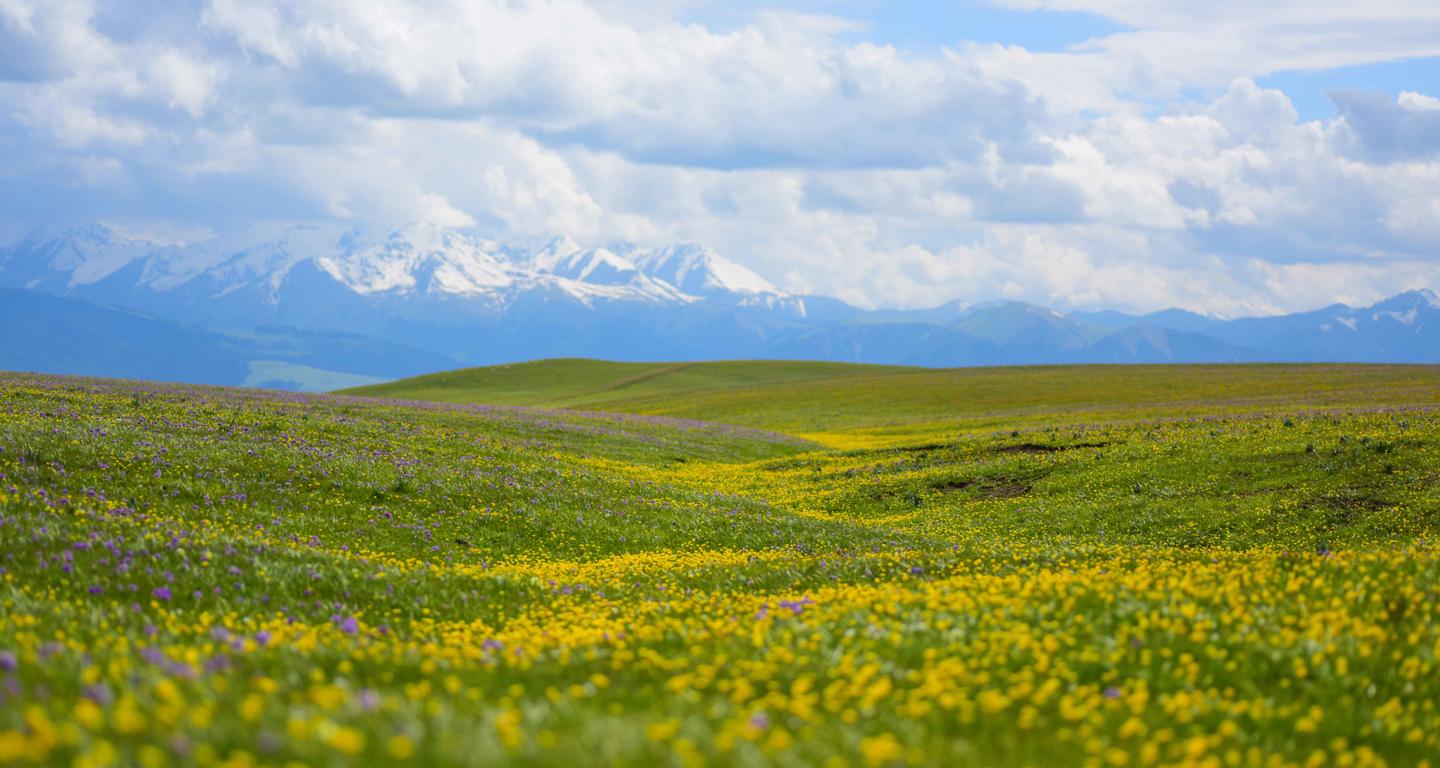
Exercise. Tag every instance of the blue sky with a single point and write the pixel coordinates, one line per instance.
(1225, 156)
(1309, 90)
(925, 26)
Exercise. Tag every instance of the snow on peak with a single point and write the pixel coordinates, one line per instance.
(548, 256)
(85, 253)
(587, 275)
(423, 256)
(1406, 308)
(696, 269)
(413, 259)
(680, 273)
(1404, 318)
(1418, 297)
(596, 265)
(249, 261)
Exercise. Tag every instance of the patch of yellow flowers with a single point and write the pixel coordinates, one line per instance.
(1120, 657)
(1162, 593)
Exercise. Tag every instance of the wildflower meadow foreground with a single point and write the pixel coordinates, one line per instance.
(740, 564)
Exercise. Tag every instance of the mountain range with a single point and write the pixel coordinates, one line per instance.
(320, 307)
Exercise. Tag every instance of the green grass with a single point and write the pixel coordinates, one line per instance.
(878, 404)
(598, 383)
(740, 563)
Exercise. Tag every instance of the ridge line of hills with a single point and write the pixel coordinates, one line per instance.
(317, 307)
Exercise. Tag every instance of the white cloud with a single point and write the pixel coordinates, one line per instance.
(75, 124)
(184, 82)
(1418, 102)
(1170, 47)
(19, 15)
(439, 172)
(53, 40)
(1354, 283)
(1254, 114)
(670, 92)
(259, 29)
(1080, 177)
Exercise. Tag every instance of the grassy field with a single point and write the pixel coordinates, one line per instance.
(733, 563)
(597, 384)
(875, 406)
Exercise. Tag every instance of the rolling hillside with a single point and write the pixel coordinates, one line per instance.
(576, 383)
(863, 404)
(1198, 566)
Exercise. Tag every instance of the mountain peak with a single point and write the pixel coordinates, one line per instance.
(92, 232)
(1424, 295)
(1419, 298)
(699, 270)
(555, 250)
(597, 265)
(458, 295)
(78, 254)
(414, 256)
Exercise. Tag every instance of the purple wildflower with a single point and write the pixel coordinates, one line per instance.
(797, 606)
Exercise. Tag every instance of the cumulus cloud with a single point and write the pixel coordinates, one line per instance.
(184, 82)
(1203, 43)
(780, 91)
(1138, 170)
(73, 122)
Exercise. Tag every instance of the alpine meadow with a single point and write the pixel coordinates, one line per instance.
(753, 383)
(729, 563)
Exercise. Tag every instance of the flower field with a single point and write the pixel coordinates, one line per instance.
(1214, 567)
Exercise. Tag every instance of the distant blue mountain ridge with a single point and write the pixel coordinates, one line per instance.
(318, 307)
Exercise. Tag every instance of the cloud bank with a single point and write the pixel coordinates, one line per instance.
(1137, 170)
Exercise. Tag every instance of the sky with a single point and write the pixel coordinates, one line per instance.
(1224, 156)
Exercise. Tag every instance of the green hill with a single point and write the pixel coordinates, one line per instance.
(857, 405)
(580, 383)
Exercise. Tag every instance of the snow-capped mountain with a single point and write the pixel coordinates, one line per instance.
(58, 259)
(599, 273)
(407, 263)
(414, 258)
(418, 285)
(700, 271)
(421, 296)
